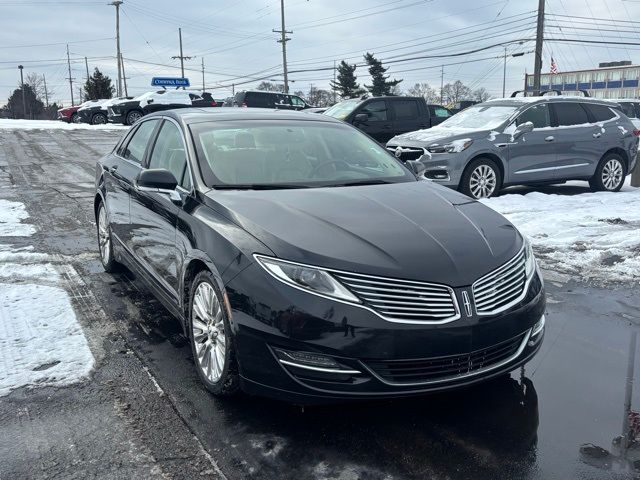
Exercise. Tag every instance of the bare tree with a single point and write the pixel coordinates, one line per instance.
(481, 95)
(270, 87)
(455, 92)
(425, 91)
(319, 97)
(36, 82)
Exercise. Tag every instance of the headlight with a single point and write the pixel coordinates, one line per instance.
(529, 258)
(456, 146)
(310, 279)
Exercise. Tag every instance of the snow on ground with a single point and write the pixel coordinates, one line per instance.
(11, 216)
(592, 236)
(41, 340)
(11, 124)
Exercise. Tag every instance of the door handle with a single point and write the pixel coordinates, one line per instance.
(550, 138)
(597, 135)
(113, 169)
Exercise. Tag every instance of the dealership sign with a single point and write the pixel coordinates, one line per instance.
(170, 82)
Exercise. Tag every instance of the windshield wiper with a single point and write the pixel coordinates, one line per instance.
(361, 182)
(258, 186)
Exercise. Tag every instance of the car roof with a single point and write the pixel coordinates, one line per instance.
(198, 115)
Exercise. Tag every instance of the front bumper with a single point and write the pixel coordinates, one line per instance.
(116, 116)
(443, 168)
(366, 348)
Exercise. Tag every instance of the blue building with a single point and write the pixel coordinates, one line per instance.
(610, 80)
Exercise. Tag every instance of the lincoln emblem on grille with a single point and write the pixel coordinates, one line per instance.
(398, 152)
(466, 302)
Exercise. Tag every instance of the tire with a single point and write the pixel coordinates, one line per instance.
(133, 116)
(105, 245)
(610, 174)
(471, 183)
(74, 118)
(99, 119)
(210, 337)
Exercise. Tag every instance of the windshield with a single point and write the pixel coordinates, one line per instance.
(480, 117)
(285, 154)
(343, 109)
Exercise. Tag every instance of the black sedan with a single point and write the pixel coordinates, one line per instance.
(306, 263)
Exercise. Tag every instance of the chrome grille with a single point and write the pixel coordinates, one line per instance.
(502, 288)
(403, 300)
(408, 153)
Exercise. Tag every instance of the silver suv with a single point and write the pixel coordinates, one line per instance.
(525, 140)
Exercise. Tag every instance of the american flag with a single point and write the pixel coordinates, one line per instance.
(554, 66)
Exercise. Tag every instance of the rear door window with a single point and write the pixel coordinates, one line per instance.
(376, 110)
(437, 111)
(601, 113)
(405, 109)
(570, 114)
(136, 147)
(537, 114)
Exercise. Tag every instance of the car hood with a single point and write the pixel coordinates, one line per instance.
(416, 231)
(435, 134)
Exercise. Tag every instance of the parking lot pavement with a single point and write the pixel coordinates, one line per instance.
(142, 413)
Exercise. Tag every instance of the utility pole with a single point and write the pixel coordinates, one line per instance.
(46, 93)
(233, 89)
(537, 66)
(334, 81)
(504, 74)
(80, 94)
(442, 85)
(70, 78)
(202, 74)
(124, 76)
(283, 40)
(86, 64)
(117, 3)
(181, 56)
(24, 100)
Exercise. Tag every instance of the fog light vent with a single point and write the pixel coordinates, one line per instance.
(311, 361)
(536, 331)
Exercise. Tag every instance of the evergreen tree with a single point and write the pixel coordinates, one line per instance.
(380, 83)
(346, 84)
(98, 86)
(33, 105)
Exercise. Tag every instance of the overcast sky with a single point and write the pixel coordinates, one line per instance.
(235, 40)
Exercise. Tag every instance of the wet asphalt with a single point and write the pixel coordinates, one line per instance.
(143, 413)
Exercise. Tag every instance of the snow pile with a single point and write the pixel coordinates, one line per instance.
(11, 216)
(41, 341)
(593, 236)
(11, 124)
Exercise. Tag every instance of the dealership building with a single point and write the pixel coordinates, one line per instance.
(610, 80)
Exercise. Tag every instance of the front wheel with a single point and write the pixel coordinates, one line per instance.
(609, 176)
(99, 119)
(481, 179)
(74, 118)
(210, 335)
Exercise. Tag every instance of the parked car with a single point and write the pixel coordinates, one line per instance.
(260, 99)
(382, 118)
(70, 114)
(316, 109)
(202, 208)
(96, 112)
(631, 108)
(128, 112)
(526, 140)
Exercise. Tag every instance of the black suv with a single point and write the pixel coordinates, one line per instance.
(382, 118)
(259, 99)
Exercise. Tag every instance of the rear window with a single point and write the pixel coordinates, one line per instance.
(627, 109)
(405, 109)
(440, 111)
(600, 113)
(570, 114)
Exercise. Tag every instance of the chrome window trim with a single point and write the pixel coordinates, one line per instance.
(480, 371)
(515, 301)
(319, 369)
(360, 305)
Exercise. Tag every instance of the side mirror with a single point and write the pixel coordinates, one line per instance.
(150, 101)
(158, 180)
(522, 129)
(360, 118)
(417, 167)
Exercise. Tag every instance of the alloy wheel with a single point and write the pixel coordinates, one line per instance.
(99, 119)
(133, 117)
(209, 336)
(612, 174)
(483, 181)
(104, 239)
